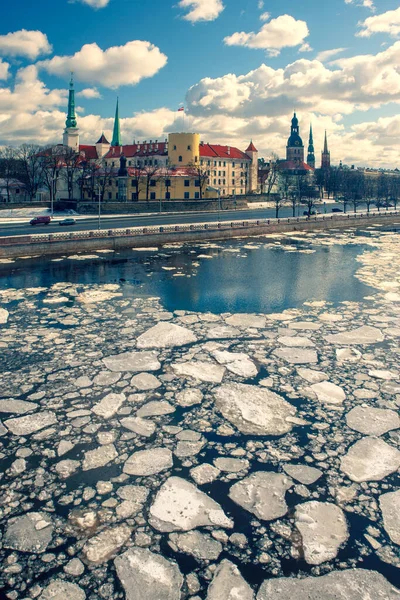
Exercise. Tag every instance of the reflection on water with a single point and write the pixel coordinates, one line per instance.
(235, 279)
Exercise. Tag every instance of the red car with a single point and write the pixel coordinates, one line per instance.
(40, 221)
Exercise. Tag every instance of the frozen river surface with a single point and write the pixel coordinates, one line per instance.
(211, 422)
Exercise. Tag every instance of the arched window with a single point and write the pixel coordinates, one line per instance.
(180, 159)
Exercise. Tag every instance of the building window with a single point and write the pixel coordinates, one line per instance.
(110, 182)
(233, 165)
(219, 163)
(197, 195)
(215, 182)
(134, 196)
(224, 164)
(174, 147)
(112, 164)
(167, 183)
(209, 163)
(189, 147)
(167, 195)
(223, 181)
(187, 195)
(233, 182)
(153, 183)
(215, 163)
(196, 159)
(155, 163)
(109, 195)
(197, 183)
(219, 182)
(241, 192)
(152, 195)
(129, 163)
(180, 159)
(187, 182)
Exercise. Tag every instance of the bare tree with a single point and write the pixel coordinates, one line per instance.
(31, 163)
(8, 167)
(284, 181)
(151, 174)
(71, 168)
(51, 162)
(308, 192)
(103, 176)
(200, 173)
(394, 189)
(370, 189)
(272, 176)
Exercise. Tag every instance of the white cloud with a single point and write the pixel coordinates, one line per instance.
(366, 3)
(89, 93)
(116, 66)
(201, 10)
(96, 3)
(328, 54)
(387, 22)
(29, 44)
(4, 66)
(346, 85)
(284, 31)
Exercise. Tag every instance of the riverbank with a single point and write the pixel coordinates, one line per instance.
(62, 243)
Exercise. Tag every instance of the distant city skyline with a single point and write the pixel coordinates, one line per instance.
(240, 69)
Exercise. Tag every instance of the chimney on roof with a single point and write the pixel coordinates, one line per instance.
(229, 150)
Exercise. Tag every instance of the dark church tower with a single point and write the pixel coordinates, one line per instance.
(326, 155)
(295, 147)
(311, 154)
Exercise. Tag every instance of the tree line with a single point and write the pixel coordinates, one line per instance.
(351, 187)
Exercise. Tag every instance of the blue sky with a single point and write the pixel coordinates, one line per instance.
(213, 65)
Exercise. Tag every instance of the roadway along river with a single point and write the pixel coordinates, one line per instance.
(122, 221)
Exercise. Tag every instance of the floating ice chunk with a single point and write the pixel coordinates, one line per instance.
(103, 546)
(140, 426)
(312, 376)
(99, 457)
(246, 320)
(296, 356)
(381, 374)
(109, 405)
(370, 459)
(228, 584)
(303, 473)
(30, 423)
(18, 407)
(31, 532)
(148, 462)
(196, 544)
(166, 335)
(180, 506)
(4, 314)
(189, 397)
(352, 584)
(296, 342)
(323, 530)
(328, 393)
(148, 576)
(372, 421)
(145, 382)
(134, 362)
(59, 589)
(254, 410)
(262, 494)
(204, 371)
(390, 507)
(364, 335)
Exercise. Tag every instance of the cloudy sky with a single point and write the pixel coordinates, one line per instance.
(240, 67)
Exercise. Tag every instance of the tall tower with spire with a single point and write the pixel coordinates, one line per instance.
(295, 146)
(311, 153)
(71, 132)
(116, 139)
(326, 155)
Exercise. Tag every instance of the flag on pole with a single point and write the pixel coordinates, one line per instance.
(181, 109)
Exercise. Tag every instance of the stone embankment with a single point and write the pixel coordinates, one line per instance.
(116, 239)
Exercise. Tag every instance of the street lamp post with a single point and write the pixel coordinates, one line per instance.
(219, 205)
(98, 191)
(53, 190)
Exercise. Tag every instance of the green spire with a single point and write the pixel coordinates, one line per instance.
(116, 139)
(71, 118)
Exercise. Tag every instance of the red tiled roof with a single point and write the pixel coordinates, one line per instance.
(89, 152)
(251, 147)
(133, 150)
(291, 165)
(217, 151)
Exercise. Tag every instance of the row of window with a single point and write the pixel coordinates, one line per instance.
(221, 163)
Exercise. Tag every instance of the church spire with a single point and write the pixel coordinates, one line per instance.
(326, 155)
(116, 139)
(311, 153)
(326, 144)
(71, 117)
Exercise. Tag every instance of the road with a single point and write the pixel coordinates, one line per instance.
(126, 221)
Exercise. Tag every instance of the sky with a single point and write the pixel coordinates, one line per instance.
(239, 67)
